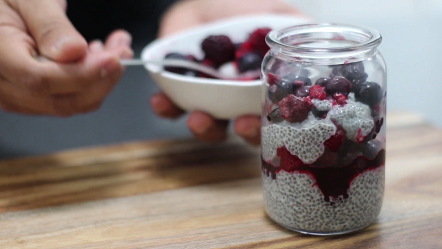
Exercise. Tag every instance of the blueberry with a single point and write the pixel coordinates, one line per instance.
(354, 72)
(178, 56)
(297, 80)
(303, 91)
(322, 81)
(249, 61)
(369, 93)
(275, 116)
(372, 148)
(338, 84)
(281, 90)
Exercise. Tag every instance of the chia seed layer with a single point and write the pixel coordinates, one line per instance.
(295, 201)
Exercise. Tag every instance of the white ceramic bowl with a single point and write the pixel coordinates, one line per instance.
(223, 99)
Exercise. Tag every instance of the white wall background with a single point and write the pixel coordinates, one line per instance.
(412, 46)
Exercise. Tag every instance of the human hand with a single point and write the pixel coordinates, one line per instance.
(78, 75)
(189, 13)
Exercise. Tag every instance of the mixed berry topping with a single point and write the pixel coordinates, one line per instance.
(249, 61)
(220, 49)
(338, 84)
(369, 93)
(294, 109)
(322, 81)
(257, 40)
(318, 92)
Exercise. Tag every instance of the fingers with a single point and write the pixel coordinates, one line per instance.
(119, 38)
(48, 24)
(46, 78)
(206, 128)
(96, 46)
(249, 128)
(15, 99)
(164, 107)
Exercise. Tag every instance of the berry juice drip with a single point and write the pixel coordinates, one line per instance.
(333, 182)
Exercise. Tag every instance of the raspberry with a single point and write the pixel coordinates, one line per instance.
(273, 79)
(336, 141)
(257, 40)
(340, 98)
(317, 92)
(245, 48)
(294, 109)
(328, 159)
(219, 49)
(288, 162)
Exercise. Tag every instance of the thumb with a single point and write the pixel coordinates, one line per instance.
(54, 34)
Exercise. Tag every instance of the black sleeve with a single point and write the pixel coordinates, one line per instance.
(95, 19)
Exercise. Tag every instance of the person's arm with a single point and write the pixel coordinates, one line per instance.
(76, 79)
(189, 13)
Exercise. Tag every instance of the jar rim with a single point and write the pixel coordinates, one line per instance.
(368, 38)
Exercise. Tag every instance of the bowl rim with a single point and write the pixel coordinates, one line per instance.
(229, 21)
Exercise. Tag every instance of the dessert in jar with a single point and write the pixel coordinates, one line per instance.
(323, 128)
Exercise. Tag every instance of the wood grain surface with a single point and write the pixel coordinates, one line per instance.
(186, 194)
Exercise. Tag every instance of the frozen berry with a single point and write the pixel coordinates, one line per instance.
(294, 109)
(257, 40)
(372, 148)
(340, 98)
(275, 116)
(338, 84)
(369, 93)
(281, 90)
(288, 162)
(273, 79)
(317, 92)
(249, 61)
(354, 72)
(178, 56)
(322, 81)
(303, 91)
(219, 49)
(335, 142)
(245, 48)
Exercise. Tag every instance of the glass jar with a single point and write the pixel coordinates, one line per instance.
(323, 128)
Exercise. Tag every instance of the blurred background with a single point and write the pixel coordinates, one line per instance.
(411, 47)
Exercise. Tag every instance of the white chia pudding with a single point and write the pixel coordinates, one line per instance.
(293, 201)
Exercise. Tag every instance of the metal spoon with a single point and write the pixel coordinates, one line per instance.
(193, 66)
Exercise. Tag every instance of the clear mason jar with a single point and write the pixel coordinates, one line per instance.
(323, 128)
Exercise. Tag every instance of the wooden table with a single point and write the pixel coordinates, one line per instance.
(185, 194)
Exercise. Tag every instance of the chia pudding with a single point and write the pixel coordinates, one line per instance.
(323, 140)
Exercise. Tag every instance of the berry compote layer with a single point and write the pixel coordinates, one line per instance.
(323, 149)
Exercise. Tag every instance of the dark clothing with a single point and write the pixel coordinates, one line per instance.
(95, 19)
